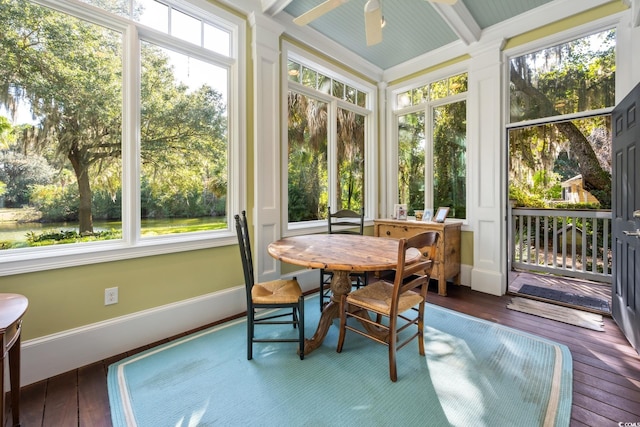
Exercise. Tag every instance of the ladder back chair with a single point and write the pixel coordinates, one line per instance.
(285, 294)
(344, 221)
(401, 303)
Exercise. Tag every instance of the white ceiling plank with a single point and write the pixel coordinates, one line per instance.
(322, 43)
(416, 27)
(458, 17)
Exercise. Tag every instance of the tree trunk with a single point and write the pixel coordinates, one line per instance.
(85, 216)
(595, 180)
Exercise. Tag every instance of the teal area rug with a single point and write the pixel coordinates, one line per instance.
(475, 373)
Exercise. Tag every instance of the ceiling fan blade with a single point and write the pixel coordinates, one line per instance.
(373, 22)
(318, 11)
(449, 2)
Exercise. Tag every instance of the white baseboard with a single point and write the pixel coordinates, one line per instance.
(465, 274)
(54, 354)
(489, 282)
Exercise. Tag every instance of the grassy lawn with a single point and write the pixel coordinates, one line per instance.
(17, 234)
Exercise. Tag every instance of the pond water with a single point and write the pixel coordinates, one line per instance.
(16, 232)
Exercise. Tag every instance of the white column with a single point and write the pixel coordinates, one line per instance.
(487, 170)
(628, 61)
(383, 157)
(266, 142)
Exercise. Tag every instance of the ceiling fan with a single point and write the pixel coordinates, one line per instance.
(373, 20)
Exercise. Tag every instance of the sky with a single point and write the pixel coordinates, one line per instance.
(190, 71)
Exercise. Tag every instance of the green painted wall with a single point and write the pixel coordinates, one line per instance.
(69, 298)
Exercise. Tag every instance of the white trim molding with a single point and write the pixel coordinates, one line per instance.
(266, 141)
(485, 148)
(54, 354)
(459, 19)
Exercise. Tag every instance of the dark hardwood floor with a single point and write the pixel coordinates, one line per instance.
(606, 371)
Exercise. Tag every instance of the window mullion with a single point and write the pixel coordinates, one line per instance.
(562, 118)
(428, 157)
(131, 137)
(332, 157)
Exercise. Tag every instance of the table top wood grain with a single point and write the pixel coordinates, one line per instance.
(345, 252)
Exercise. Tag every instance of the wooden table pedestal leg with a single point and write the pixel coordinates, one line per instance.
(340, 285)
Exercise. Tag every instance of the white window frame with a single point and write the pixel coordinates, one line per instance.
(291, 52)
(131, 245)
(427, 109)
(604, 24)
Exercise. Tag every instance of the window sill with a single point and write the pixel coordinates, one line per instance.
(73, 255)
(313, 227)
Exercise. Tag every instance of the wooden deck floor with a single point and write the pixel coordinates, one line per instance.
(606, 370)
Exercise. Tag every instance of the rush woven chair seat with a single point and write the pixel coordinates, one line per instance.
(274, 294)
(344, 221)
(400, 304)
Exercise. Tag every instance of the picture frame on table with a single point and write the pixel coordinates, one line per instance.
(441, 214)
(427, 216)
(400, 211)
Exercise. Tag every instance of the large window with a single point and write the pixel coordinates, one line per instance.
(431, 132)
(559, 135)
(327, 143)
(184, 147)
(105, 136)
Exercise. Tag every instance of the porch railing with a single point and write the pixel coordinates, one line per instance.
(573, 243)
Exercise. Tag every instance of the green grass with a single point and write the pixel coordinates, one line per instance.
(150, 227)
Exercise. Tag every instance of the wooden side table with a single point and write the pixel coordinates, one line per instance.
(12, 308)
(447, 262)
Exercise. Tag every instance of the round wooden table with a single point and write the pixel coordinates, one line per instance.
(341, 253)
(12, 308)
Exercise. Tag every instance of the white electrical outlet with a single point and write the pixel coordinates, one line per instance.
(111, 296)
